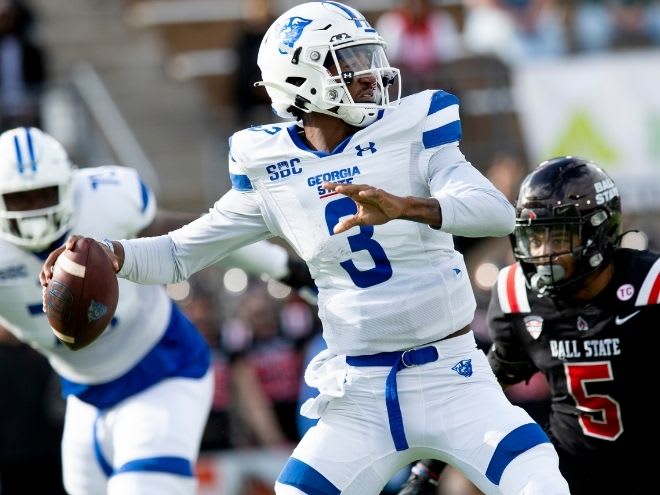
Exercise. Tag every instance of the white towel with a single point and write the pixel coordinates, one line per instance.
(327, 373)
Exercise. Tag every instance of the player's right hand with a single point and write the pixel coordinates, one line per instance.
(47, 269)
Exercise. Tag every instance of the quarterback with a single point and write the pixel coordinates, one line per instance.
(368, 190)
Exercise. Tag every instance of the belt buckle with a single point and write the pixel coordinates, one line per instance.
(403, 359)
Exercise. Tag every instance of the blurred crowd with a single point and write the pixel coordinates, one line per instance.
(262, 338)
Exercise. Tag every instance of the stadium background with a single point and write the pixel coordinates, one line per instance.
(159, 85)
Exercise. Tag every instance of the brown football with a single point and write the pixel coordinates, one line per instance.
(81, 297)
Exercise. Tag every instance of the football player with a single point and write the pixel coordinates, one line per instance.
(137, 399)
(401, 376)
(581, 310)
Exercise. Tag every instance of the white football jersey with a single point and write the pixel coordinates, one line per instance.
(108, 202)
(381, 288)
(384, 287)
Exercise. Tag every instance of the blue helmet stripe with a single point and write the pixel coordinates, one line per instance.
(359, 21)
(33, 160)
(344, 8)
(19, 155)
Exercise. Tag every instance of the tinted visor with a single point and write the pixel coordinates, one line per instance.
(542, 243)
(34, 199)
(360, 58)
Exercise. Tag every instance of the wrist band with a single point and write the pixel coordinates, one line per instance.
(108, 244)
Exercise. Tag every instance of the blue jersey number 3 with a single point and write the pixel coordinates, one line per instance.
(363, 241)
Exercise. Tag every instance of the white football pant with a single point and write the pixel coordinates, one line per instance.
(452, 408)
(146, 445)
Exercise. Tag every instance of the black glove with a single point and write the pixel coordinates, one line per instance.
(300, 279)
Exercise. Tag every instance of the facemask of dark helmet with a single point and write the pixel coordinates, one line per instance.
(566, 206)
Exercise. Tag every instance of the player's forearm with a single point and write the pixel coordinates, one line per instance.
(477, 213)
(148, 260)
(422, 210)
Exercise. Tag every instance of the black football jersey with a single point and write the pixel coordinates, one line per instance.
(599, 357)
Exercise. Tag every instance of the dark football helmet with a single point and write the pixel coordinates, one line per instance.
(566, 206)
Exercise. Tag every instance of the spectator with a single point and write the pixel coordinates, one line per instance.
(266, 368)
(31, 421)
(22, 68)
(616, 24)
(203, 310)
(250, 100)
(517, 31)
(419, 40)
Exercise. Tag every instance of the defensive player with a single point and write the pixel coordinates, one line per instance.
(402, 377)
(138, 397)
(581, 310)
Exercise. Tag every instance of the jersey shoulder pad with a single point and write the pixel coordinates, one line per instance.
(649, 291)
(441, 123)
(429, 117)
(257, 146)
(512, 290)
(116, 195)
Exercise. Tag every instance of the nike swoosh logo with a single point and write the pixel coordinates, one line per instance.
(620, 321)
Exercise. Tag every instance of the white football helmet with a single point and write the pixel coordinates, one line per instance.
(36, 203)
(314, 51)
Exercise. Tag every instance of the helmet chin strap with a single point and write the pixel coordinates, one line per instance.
(358, 117)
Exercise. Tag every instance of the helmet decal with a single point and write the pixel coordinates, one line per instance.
(290, 32)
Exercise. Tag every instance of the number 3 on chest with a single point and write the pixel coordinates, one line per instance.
(382, 271)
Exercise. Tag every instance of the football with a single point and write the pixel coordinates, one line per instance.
(81, 297)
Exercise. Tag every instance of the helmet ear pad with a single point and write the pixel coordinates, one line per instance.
(575, 194)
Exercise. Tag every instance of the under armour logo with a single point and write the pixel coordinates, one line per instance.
(362, 149)
(463, 368)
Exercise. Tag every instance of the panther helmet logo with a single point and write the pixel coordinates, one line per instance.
(290, 32)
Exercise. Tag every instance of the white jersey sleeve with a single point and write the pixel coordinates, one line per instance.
(471, 205)
(233, 222)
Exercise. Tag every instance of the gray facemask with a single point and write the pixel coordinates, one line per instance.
(546, 275)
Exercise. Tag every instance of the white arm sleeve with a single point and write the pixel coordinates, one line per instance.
(471, 205)
(201, 243)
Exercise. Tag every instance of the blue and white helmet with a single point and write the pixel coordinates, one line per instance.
(31, 160)
(312, 52)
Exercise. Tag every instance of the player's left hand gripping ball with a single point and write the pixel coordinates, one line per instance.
(81, 297)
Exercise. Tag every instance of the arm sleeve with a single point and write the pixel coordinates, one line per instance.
(471, 205)
(197, 245)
